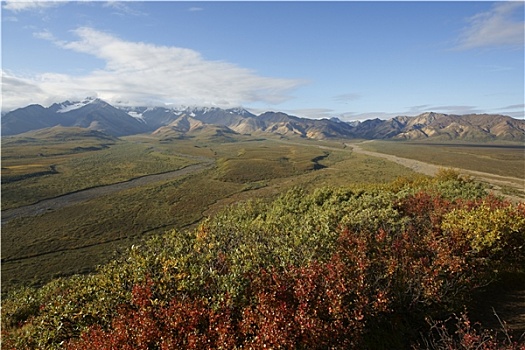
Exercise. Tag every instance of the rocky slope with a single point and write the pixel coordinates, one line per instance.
(95, 114)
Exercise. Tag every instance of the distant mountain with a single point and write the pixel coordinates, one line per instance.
(157, 117)
(32, 117)
(443, 127)
(93, 114)
(186, 126)
(170, 123)
(241, 121)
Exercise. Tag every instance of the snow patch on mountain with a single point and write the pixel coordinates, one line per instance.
(71, 106)
(137, 116)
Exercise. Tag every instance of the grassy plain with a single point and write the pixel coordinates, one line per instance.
(497, 159)
(53, 167)
(77, 238)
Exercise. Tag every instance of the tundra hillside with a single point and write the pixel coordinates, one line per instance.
(334, 267)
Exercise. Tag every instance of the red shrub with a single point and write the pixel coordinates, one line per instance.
(376, 284)
(145, 325)
(465, 335)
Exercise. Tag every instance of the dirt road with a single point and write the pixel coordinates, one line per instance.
(416, 165)
(84, 195)
(496, 181)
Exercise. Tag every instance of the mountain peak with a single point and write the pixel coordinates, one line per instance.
(69, 106)
(95, 114)
(240, 111)
(335, 120)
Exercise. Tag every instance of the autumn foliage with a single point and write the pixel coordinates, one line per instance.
(331, 269)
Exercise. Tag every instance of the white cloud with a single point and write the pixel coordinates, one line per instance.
(45, 34)
(497, 27)
(518, 106)
(138, 73)
(344, 98)
(312, 113)
(18, 6)
(412, 111)
(15, 90)
(516, 111)
(122, 8)
(450, 109)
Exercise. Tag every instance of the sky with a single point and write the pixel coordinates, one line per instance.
(345, 59)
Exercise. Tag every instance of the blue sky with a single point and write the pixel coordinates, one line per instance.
(353, 60)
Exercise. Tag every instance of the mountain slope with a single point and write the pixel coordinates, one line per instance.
(95, 114)
(101, 116)
(61, 133)
(32, 117)
(442, 127)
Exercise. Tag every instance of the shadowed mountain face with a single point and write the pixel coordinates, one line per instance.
(95, 114)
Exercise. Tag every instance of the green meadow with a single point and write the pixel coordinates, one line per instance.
(76, 238)
(504, 159)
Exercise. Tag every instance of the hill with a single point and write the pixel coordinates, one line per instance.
(95, 114)
(53, 141)
(61, 133)
(189, 127)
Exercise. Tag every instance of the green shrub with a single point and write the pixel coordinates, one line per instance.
(334, 267)
(493, 228)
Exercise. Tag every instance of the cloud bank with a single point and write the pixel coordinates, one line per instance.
(137, 73)
(19, 6)
(515, 111)
(503, 25)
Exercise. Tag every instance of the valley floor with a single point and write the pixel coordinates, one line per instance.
(236, 171)
(497, 182)
(51, 204)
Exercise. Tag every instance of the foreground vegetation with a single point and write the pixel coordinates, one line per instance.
(362, 266)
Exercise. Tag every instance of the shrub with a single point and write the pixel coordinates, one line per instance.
(466, 336)
(494, 229)
(331, 268)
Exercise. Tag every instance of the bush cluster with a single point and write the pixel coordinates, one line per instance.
(327, 269)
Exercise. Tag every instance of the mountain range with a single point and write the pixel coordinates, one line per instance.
(96, 114)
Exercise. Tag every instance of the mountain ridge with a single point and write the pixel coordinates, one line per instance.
(96, 114)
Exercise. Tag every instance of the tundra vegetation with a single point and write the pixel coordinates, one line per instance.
(319, 249)
(503, 159)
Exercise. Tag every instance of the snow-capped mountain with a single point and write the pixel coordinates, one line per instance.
(67, 106)
(95, 114)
